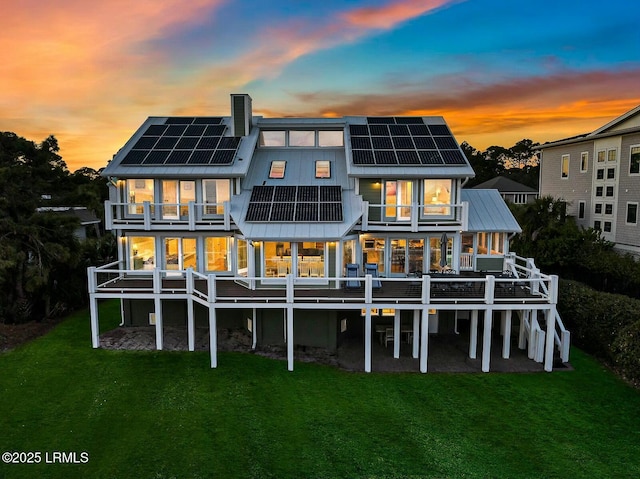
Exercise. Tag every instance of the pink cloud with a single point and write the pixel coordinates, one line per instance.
(388, 15)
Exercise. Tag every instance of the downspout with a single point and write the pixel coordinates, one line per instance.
(464, 182)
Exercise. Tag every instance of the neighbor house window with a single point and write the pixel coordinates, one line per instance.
(437, 193)
(565, 167)
(330, 138)
(611, 155)
(607, 226)
(584, 161)
(273, 138)
(302, 138)
(597, 225)
(142, 252)
(323, 169)
(599, 190)
(609, 190)
(634, 163)
(581, 206)
(217, 254)
(600, 174)
(632, 213)
(608, 209)
(519, 198)
(598, 208)
(601, 156)
(215, 193)
(611, 173)
(277, 169)
(139, 191)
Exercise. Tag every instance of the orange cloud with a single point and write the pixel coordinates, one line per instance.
(391, 14)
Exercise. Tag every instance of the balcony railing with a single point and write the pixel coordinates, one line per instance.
(414, 216)
(147, 216)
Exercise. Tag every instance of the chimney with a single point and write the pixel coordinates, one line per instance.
(240, 114)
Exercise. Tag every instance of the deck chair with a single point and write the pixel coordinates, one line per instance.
(352, 272)
(372, 269)
(389, 336)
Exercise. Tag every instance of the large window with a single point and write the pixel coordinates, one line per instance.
(634, 163)
(217, 254)
(179, 254)
(215, 193)
(302, 138)
(398, 195)
(491, 243)
(438, 194)
(330, 138)
(277, 259)
(440, 253)
(142, 252)
(632, 213)
(176, 196)
(584, 161)
(565, 167)
(373, 252)
(243, 257)
(273, 138)
(139, 191)
(311, 259)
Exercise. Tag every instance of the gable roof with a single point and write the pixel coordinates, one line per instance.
(505, 185)
(488, 212)
(85, 216)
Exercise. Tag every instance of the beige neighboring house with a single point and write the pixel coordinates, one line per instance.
(510, 190)
(598, 175)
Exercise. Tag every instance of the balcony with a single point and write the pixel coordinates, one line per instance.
(149, 216)
(415, 217)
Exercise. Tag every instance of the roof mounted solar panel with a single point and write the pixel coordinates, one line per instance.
(330, 193)
(187, 143)
(445, 143)
(359, 130)
(207, 120)
(439, 130)
(262, 193)
(453, 157)
(419, 130)
(155, 130)
(214, 130)
(195, 130)
(166, 142)
(178, 157)
(156, 157)
(381, 142)
(363, 157)
(408, 157)
(180, 120)
(306, 212)
(360, 143)
(372, 120)
(145, 143)
(258, 212)
(330, 211)
(399, 130)
(385, 157)
(229, 142)
(282, 212)
(175, 130)
(201, 157)
(285, 193)
(307, 193)
(222, 157)
(407, 120)
(430, 157)
(134, 157)
(207, 142)
(379, 130)
(403, 143)
(424, 143)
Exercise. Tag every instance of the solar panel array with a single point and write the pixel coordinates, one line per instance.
(295, 204)
(184, 141)
(403, 141)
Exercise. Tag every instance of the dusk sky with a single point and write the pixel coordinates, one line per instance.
(498, 70)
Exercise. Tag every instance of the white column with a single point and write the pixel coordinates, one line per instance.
(551, 327)
(506, 338)
(157, 303)
(213, 336)
(416, 333)
(533, 320)
(367, 340)
(254, 334)
(522, 337)
(95, 325)
(486, 339)
(290, 338)
(473, 335)
(424, 340)
(396, 334)
(191, 328)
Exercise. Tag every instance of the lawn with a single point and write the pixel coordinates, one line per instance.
(167, 414)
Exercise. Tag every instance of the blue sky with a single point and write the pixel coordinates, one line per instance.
(498, 71)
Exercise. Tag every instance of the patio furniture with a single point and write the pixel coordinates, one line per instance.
(352, 272)
(372, 269)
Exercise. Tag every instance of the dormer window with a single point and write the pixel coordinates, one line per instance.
(302, 138)
(323, 169)
(277, 169)
(273, 138)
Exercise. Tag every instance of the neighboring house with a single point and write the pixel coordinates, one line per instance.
(348, 226)
(510, 190)
(85, 217)
(598, 175)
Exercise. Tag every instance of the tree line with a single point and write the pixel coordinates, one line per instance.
(42, 263)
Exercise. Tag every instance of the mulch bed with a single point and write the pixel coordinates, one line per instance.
(14, 335)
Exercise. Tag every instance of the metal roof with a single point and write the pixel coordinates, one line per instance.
(488, 212)
(505, 185)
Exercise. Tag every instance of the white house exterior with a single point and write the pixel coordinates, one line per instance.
(329, 224)
(598, 175)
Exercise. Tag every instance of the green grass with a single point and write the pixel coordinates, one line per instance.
(167, 414)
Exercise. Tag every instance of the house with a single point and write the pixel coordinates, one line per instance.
(598, 175)
(86, 218)
(510, 190)
(303, 231)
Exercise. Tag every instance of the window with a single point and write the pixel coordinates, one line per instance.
(398, 196)
(142, 252)
(608, 209)
(373, 252)
(179, 253)
(215, 193)
(601, 155)
(598, 208)
(330, 138)
(497, 243)
(584, 161)
(302, 138)
(581, 206)
(277, 259)
(139, 191)
(607, 226)
(272, 138)
(632, 213)
(277, 169)
(609, 190)
(519, 198)
(611, 173)
(599, 190)
(634, 163)
(176, 196)
(565, 167)
(611, 155)
(323, 169)
(596, 225)
(438, 193)
(217, 254)
(600, 174)
(311, 259)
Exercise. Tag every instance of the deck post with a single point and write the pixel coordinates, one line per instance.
(473, 335)
(254, 332)
(396, 334)
(290, 337)
(551, 324)
(95, 326)
(506, 338)
(213, 336)
(367, 340)
(157, 305)
(486, 339)
(424, 340)
(191, 213)
(522, 337)
(191, 333)
(416, 333)
(533, 320)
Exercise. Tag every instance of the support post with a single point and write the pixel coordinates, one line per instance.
(522, 337)
(254, 334)
(506, 338)
(396, 334)
(367, 339)
(486, 339)
(473, 335)
(424, 340)
(95, 325)
(191, 330)
(533, 340)
(416, 334)
(213, 336)
(157, 305)
(290, 338)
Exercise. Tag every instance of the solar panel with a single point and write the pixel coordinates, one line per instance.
(223, 157)
(363, 157)
(282, 212)
(208, 142)
(306, 212)
(307, 193)
(430, 157)
(134, 157)
(285, 193)
(330, 193)
(187, 143)
(155, 130)
(208, 120)
(357, 130)
(385, 157)
(408, 157)
(145, 143)
(166, 142)
(201, 157)
(439, 130)
(178, 157)
(453, 157)
(419, 130)
(409, 120)
(445, 143)
(380, 119)
(379, 130)
(360, 142)
(229, 142)
(175, 130)
(214, 130)
(402, 142)
(381, 143)
(330, 211)
(424, 143)
(258, 212)
(399, 130)
(184, 120)
(195, 130)
(156, 157)
(262, 193)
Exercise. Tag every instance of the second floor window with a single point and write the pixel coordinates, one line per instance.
(139, 191)
(565, 167)
(215, 193)
(584, 161)
(634, 160)
(438, 194)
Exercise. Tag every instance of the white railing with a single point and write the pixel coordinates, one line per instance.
(466, 262)
(415, 215)
(146, 215)
(562, 338)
